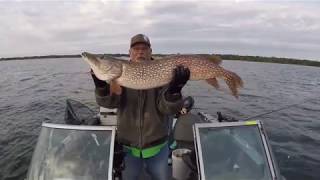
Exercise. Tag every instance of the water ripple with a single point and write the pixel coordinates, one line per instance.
(40, 97)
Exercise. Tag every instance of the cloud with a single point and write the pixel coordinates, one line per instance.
(268, 28)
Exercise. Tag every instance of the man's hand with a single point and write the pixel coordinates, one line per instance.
(181, 76)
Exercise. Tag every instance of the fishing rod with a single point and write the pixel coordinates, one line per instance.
(225, 118)
(282, 108)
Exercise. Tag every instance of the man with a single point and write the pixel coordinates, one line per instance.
(143, 116)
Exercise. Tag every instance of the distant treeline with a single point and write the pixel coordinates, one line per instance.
(270, 60)
(40, 57)
(223, 56)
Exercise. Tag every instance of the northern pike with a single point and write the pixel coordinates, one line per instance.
(159, 72)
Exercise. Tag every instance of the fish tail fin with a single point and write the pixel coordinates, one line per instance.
(233, 81)
(115, 88)
(213, 82)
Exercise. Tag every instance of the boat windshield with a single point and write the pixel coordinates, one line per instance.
(70, 152)
(232, 152)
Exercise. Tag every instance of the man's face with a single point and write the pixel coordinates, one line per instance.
(140, 52)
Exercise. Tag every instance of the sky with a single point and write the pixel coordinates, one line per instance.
(256, 27)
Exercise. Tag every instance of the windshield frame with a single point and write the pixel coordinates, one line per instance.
(266, 146)
(84, 128)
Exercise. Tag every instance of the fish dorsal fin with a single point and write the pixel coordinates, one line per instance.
(215, 59)
(115, 88)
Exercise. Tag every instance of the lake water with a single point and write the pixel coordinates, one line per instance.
(34, 91)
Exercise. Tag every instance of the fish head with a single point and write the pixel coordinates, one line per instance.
(105, 69)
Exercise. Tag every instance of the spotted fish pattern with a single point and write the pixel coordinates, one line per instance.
(156, 73)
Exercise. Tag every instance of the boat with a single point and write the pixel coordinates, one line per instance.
(202, 148)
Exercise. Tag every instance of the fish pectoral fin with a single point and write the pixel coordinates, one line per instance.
(213, 82)
(115, 88)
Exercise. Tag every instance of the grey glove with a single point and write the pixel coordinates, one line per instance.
(97, 82)
(102, 87)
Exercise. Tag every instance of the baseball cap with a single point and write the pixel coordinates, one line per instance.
(140, 38)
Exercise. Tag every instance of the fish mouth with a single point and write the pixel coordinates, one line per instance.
(84, 54)
(91, 59)
(88, 55)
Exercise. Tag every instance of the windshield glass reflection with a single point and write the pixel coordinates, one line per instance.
(233, 153)
(71, 154)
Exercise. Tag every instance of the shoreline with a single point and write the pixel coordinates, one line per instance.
(226, 57)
